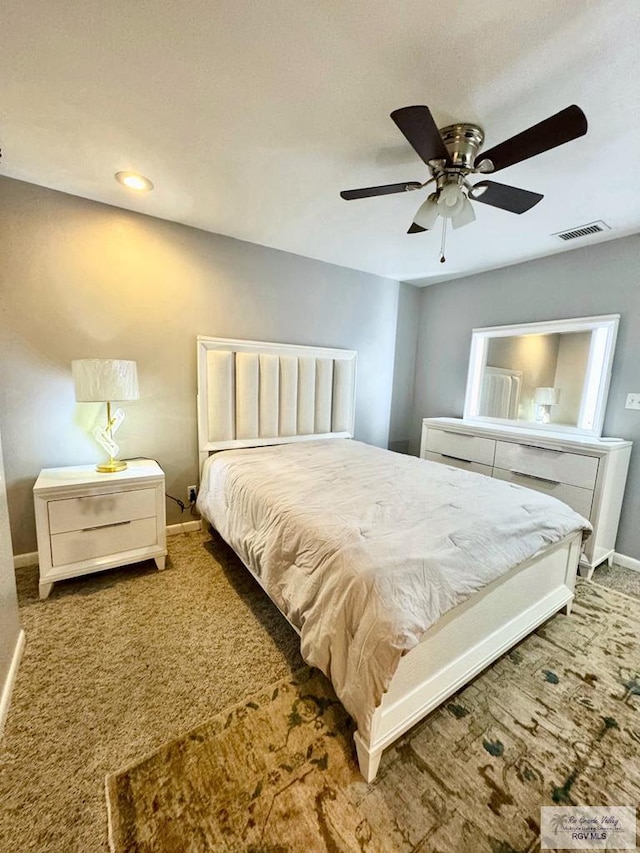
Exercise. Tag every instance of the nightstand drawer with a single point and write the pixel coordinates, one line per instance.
(79, 545)
(458, 463)
(570, 468)
(578, 499)
(473, 448)
(100, 510)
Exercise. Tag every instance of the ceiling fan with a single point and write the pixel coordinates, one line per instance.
(452, 154)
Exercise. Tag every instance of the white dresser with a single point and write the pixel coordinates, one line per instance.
(588, 474)
(88, 522)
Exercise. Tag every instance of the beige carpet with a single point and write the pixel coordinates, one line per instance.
(616, 577)
(115, 666)
(555, 721)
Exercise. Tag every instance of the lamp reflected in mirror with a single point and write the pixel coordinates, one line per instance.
(544, 399)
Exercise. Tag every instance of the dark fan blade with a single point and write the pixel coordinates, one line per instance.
(387, 189)
(505, 197)
(414, 228)
(562, 127)
(421, 131)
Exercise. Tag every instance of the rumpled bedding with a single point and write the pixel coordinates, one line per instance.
(364, 549)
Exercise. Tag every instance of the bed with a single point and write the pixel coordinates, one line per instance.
(404, 578)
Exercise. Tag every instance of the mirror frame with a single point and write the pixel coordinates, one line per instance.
(598, 374)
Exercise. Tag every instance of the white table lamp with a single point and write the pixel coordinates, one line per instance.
(103, 380)
(544, 399)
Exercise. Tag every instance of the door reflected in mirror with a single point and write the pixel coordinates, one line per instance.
(547, 375)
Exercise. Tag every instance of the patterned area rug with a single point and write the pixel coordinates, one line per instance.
(555, 721)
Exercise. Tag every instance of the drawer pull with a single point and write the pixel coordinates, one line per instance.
(103, 526)
(457, 458)
(461, 434)
(542, 447)
(535, 477)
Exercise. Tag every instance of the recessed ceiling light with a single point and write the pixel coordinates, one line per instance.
(134, 181)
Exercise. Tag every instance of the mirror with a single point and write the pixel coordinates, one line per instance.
(552, 376)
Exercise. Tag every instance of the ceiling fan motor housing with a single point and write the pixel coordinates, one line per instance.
(463, 142)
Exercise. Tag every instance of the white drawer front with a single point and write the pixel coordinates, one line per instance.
(573, 469)
(79, 545)
(458, 463)
(473, 448)
(578, 499)
(98, 510)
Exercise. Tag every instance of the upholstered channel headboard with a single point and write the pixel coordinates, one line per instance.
(252, 393)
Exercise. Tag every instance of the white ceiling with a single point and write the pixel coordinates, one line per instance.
(251, 115)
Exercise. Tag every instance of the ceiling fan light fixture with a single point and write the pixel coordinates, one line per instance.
(451, 201)
(427, 213)
(450, 194)
(465, 217)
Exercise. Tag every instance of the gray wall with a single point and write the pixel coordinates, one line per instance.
(9, 619)
(602, 279)
(80, 279)
(409, 300)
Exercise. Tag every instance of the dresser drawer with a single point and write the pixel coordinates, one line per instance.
(472, 448)
(573, 469)
(100, 510)
(79, 545)
(458, 463)
(578, 499)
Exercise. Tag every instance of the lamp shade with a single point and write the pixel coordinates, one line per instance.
(547, 396)
(466, 215)
(99, 380)
(427, 213)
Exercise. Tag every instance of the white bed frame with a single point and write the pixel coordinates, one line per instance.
(248, 387)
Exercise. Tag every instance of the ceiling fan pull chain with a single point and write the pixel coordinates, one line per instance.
(443, 241)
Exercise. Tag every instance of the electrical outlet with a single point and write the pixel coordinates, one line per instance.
(633, 401)
(192, 494)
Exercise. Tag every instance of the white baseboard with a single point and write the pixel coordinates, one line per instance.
(31, 559)
(7, 688)
(626, 562)
(184, 527)
(22, 560)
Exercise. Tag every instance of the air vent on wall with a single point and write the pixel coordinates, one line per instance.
(583, 230)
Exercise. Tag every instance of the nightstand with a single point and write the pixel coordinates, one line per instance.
(88, 522)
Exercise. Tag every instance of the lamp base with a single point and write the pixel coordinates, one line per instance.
(543, 413)
(111, 466)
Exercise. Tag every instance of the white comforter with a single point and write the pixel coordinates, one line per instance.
(364, 549)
